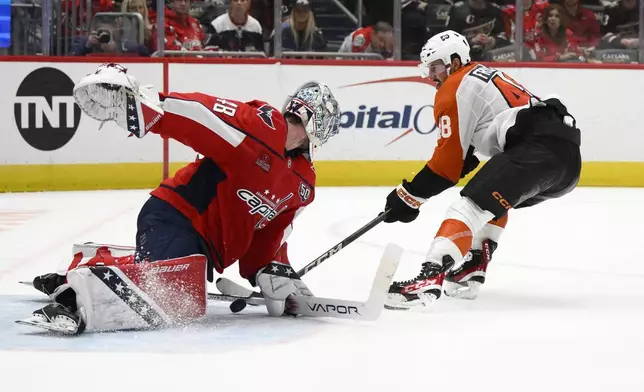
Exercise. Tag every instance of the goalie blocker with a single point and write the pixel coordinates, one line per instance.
(105, 292)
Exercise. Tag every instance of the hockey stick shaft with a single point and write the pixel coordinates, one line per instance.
(339, 246)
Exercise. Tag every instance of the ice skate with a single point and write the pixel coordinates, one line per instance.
(423, 290)
(465, 281)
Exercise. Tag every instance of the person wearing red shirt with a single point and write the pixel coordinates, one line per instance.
(182, 31)
(583, 23)
(556, 42)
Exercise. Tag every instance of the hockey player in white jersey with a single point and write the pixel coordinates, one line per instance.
(534, 148)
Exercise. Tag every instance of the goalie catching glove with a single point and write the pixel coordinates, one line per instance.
(110, 94)
(278, 281)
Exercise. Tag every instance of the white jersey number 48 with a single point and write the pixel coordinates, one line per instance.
(226, 107)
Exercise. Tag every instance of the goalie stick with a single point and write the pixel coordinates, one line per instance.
(230, 288)
(328, 307)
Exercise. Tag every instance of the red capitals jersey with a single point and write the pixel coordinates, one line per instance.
(532, 18)
(549, 50)
(182, 33)
(245, 192)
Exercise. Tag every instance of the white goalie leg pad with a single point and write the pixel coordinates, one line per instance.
(149, 295)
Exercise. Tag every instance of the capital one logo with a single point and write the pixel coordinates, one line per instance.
(45, 112)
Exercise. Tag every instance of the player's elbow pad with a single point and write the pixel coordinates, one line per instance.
(427, 183)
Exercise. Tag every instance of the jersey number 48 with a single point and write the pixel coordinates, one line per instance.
(226, 107)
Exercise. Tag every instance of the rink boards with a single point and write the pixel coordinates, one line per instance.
(387, 134)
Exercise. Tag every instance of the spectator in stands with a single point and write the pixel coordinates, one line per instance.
(583, 23)
(141, 7)
(237, 30)
(300, 33)
(262, 10)
(533, 11)
(182, 31)
(620, 25)
(414, 32)
(378, 38)
(104, 40)
(556, 42)
(481, 22)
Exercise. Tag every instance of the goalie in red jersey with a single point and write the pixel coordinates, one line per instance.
(237, 202)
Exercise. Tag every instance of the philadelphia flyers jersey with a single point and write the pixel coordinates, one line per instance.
(244, 193)
(475, 106)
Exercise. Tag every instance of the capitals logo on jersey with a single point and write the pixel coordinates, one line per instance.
(266, 114)
(261, 204)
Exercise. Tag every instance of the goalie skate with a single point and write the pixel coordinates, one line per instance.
(55, 318)
(423, 290)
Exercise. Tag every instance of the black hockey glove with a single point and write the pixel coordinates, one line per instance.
(403, 204)
(406, 199)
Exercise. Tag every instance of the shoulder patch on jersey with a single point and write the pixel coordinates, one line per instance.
(264, 162)
(305, 192)
(265, 112)
(359, 40)
(482, 73)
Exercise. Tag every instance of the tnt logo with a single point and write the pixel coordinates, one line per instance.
(45, 111)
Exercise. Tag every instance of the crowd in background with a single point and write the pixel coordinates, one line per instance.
(555, 30)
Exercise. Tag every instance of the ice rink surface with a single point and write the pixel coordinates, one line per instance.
(562, 309)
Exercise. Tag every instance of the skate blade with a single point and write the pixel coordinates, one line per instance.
(398, 302)
(47, 326)
(469, 291)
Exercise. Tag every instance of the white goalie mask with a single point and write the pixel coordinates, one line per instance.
(315, 105)
(443, 46)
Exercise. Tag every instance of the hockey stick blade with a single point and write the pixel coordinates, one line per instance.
(253, 301)
(328, 307)
(231, 286)
(370, 310)
(338, 308)
(228, 287)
